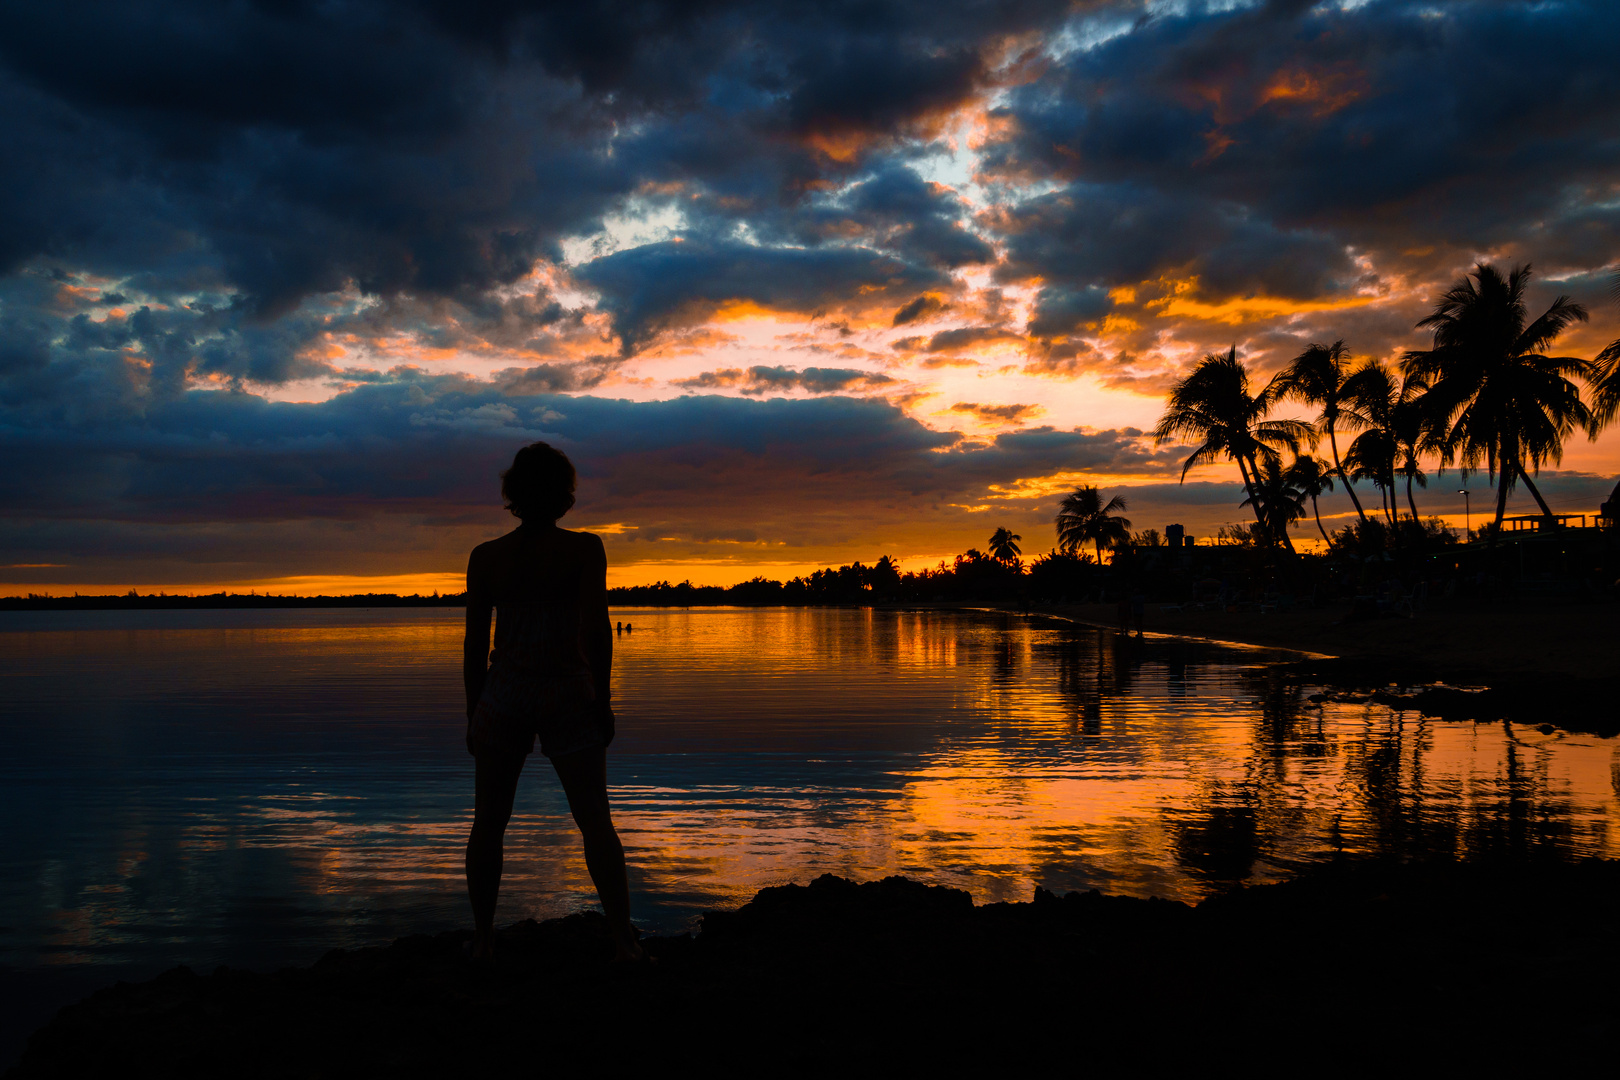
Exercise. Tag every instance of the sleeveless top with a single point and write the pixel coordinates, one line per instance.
(538, 663)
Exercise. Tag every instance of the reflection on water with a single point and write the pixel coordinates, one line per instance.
(253, 787)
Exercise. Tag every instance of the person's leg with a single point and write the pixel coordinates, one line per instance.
(584, 780)
(494, 787)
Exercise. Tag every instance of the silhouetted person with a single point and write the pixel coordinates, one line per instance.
(548, 677)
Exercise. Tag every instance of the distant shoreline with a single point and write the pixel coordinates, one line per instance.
(227, 601)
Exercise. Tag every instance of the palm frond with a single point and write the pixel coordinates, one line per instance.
(1563, 313)
(1604, 378)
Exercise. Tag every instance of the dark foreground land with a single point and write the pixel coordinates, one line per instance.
(1351, 967)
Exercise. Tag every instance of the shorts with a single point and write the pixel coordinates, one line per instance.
(563, 713)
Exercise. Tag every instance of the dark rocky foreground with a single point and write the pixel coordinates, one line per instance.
(1349, 968)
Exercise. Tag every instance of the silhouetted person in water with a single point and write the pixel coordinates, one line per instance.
(548, 678)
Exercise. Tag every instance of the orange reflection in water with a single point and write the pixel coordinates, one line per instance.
(301, 773)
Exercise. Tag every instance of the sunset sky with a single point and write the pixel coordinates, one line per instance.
(283, 285)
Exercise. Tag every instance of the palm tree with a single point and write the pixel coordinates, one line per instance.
(1312, 476)
(1605, 378)
(1277, 498)
(1493, 395)
(1316, 377)
(1372, 457)
(1411, 429)
(1397, 430)
(1213, 404)
(1083, 517)
(1004, 545)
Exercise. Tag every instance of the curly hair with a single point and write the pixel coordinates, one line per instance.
(540, 483)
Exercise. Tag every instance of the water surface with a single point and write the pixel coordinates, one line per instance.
(255, 787)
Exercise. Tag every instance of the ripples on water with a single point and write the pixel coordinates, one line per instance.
(254, 787)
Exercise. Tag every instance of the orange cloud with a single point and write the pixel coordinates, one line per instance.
(1254, 308)
(1323, 91)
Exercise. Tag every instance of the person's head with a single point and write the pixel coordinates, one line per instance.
(540, 484)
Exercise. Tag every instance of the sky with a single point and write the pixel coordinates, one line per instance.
(284, 285)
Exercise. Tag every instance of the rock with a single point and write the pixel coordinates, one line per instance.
(1408, 962)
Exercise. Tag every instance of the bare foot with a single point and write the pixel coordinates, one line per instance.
(627, 949)
(482, 947)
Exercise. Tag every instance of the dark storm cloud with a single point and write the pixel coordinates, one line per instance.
(1124, 234)
(1061, 311)
(900, 212)
(271, 153)
(658, 285)
(762, 379)
(307, 148)
(1254, 147)
(278, 151)
(426, 449)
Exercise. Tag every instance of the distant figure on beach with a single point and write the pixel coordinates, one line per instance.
(548, 678)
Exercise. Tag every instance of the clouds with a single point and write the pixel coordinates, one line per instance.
(295, 150)
(1256, 148)
(997, 414)
(656, 286)
(958, 338)
(237, 474)
(282, 263)
(293, 153)
(765, 380)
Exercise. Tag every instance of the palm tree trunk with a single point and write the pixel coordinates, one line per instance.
(1531, 484)
(1318, 514)
(1505, 478)
(1343, 478)
(1409, 501)
(1254, 498)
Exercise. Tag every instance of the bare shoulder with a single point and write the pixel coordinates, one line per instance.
(587, 544)
(492, 553)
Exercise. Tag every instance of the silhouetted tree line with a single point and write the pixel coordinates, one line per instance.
(971, 576)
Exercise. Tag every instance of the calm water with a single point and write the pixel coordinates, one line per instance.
(256, 787)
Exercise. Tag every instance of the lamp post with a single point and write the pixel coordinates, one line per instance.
(1467, 517)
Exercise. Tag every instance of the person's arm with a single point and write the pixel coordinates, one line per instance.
(595, 626)
(475, 647)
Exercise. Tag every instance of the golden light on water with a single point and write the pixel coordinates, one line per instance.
(312, 761)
